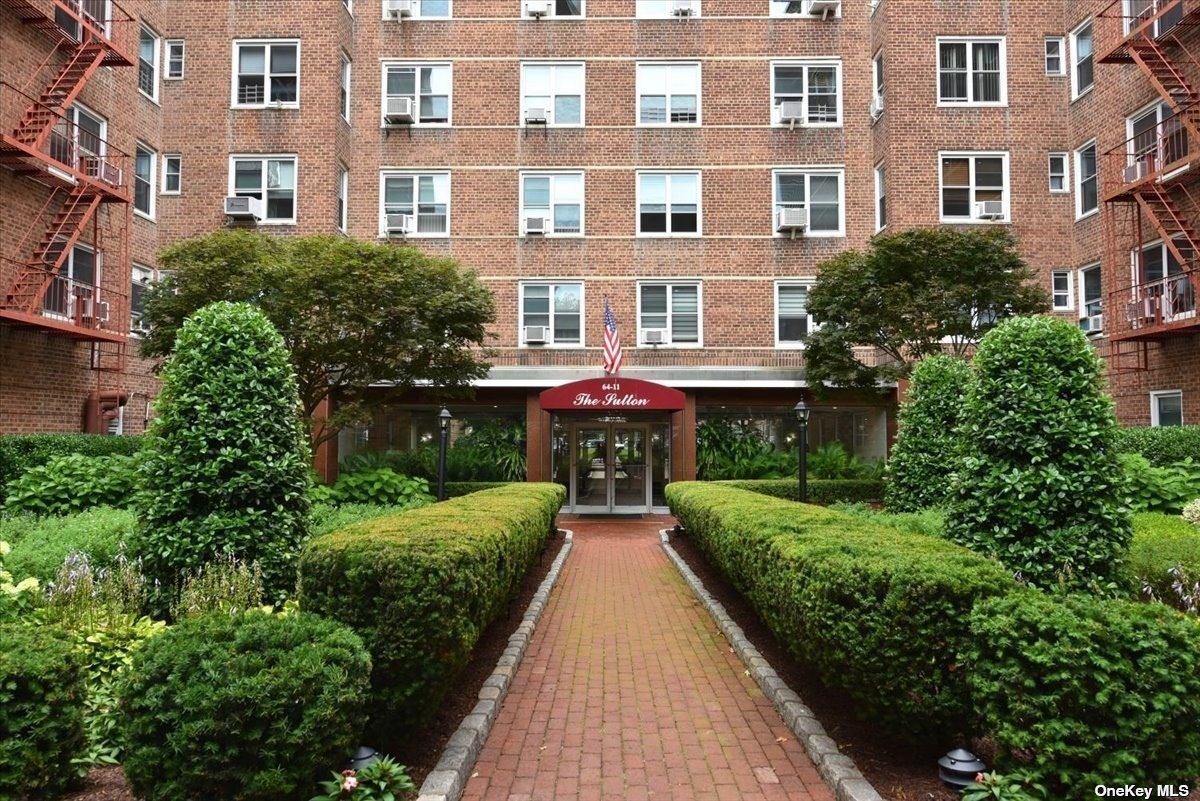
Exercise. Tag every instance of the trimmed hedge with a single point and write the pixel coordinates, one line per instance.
(875, 611)
(41, 711)
(20, 452)
(820, 491)
(100, 533)
(456, 489)
(421, 586)
(1082, 691)
(1162, 445)
(1165, 559)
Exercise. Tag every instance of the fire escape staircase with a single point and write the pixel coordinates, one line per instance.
(40, 118)
(37, 276)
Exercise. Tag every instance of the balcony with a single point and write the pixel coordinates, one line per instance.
(1123, 21)
(1160, 155)
(1156, 308)
(74, 22)
(72, 307)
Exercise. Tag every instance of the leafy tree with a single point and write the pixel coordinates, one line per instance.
(928, 444)
(914, 294)
(351, 314)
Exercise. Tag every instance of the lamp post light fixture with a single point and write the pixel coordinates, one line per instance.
(444, 424)
(802, 411)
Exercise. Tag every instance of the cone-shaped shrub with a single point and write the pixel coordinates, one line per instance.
(928, 445)
(227, 463)
(1040, 487)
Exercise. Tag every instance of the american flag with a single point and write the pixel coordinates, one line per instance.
(612, 342)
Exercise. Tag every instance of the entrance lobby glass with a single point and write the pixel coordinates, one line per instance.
(629, 477)
(610, 470)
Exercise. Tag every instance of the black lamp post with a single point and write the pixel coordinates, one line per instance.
(802, 411)
(444, 423)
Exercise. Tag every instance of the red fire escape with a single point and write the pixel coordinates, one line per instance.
(82, 296)
(1149, 181)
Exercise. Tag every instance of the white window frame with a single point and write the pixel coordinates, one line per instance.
(699, 284)
(151, 276)
(181, 45)
(1080, 285)
(1163, 393)
(972, 155)
(807, 283)
(554, 10)
(1065, 175)
(344, 86)
(1080, 213)
(553, 175)
(551, 122)
(880, 196)
(419, 11)
(1076, 91)
(778, 9)
(418, 65)
(268, 44)
(349, 4)
(416, 174)
(67, 273)
(166, 172)
(265, 158)
(637, 105)
(809, 172)
(552, 283)
(1060, 43)
(697, 9)
(343, 197)
(155, 66)
(878, 77)
(807, 64)
(1069, 305)
(142, 147)
(971, 42)
(637, 205)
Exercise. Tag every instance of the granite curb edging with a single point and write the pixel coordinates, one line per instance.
(448, 779)
(837, 769)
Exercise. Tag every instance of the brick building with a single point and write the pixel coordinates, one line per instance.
(690, 161)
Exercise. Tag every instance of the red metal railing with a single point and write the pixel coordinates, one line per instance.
(77, 302)
(1124, 20)
(1164, 301)
(1146, 156)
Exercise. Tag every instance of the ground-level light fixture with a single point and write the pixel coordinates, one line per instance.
(443, 423)
(958, 768)
(802, 412)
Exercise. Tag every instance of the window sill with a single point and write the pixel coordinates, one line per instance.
(970, 104)
(1083, 94)
(405, 237)
(550, 346)
(537, 126)
(276, 222)
(811, 235)
(672, 346)
(417, 125)
(1087, 214)
(790, 346)
(696, 235)
(788, 126)
(535, 237)
(972, 221)
(151, 98)
(265, 106)
(144, 216)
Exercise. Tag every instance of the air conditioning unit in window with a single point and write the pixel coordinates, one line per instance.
(1137, 171)
(102, 311)
(1142, 311)
(398, 111)
(791, 220)
(537, 8)
(397, 9)
(1093, 324)
(244, 208)
(683, 8)
(536, 334)
(824, 7)
(876, 107)
(399, 224)
(535, 116)
(101, 169)
(990, 210)
(656, 336)
(536, 226)
(791, 112)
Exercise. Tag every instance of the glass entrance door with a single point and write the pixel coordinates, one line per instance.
(610, 468)
(629, 493)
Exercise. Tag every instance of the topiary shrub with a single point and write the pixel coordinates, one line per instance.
(1161, 445)
(20, 452)
(1082, 692)
(226, 469)
(248, 707)
(74, 483)
(99, 533)
(1041, 486)
(928, 445)
(41, 711)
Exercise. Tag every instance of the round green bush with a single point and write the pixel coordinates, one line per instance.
(74, 483)
(100, 533)
(928, 445)
(226, 470)
(1041, 486)
(41, 711)
(248, 707)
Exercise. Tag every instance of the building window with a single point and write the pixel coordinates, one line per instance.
(428, 9)
(143, 277)
(554, 198)
(271, 179)
(172, 174)
(1091, 300)
(1057, 164)
(143, 180)
(974, 187)
(1158, 263)
(673, 308)
(175, 49)
(1054, 56)
(1156, 139)
(877, 79)
(660, 9)
(794, 8)
(344, 96)
(557, 308)
(971, 72)
(1060, 290)
(266, 73)
(819, 192)
(815, 87)
(554, 89)
(423, 198)
(668, 94)
(343, 197)
(1166, 408)
(567, 8)
(668, 203)
(1087, 200)
(427, 85)
(148, 63)
(73, 291)
(1081, 59)
(81, 143)
(791, 314)
(880, 198)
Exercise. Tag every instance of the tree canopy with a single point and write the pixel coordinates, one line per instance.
(913, 294)
(351, 314)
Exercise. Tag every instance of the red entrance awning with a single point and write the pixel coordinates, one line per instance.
(612, 394)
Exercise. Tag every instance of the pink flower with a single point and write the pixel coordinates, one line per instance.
(979, 778)
(349, 783)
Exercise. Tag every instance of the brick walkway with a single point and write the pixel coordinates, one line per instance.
(629, 692)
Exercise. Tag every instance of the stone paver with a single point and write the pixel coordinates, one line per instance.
(628, 691)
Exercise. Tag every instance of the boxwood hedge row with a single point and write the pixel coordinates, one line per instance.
(822, 491)
(422, 585)
(19, 452)
(1161, 445)
(877, 612)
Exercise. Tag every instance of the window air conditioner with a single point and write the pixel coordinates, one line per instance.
(876, 107)
(683, 8)
(102, 310)
(1093, 324)
(537, 8)
(990, 210)
(1142, 311)
(824, 7)
(244, 208)
(1137, 171)
(535, 116)
(656, 336)
(399, 223)
(791, 219)
(536, 225)
(791, 112)
(397, 9)
(95, 167)
(398, 111)
(536, 334)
